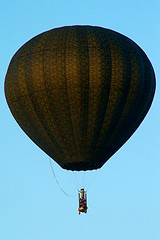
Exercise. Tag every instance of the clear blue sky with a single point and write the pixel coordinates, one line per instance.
(124, 196)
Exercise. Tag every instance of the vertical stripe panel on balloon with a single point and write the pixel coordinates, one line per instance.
(55, 84)
(120, 80)
(77, 85)
(36, 89)
(100, 80)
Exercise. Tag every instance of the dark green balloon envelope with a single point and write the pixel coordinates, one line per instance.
(80, 92)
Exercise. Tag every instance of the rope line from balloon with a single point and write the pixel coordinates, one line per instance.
(57, 180)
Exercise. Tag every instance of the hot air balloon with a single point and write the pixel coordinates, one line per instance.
(80, 92)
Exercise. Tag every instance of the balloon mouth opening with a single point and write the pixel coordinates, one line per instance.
(81, 166)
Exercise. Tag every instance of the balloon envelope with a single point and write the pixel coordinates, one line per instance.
(79, 92)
